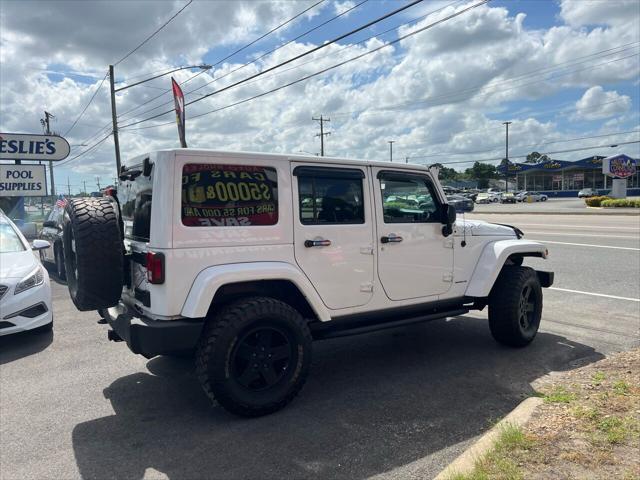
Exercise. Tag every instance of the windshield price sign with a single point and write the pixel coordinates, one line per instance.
(18, 146)
(22, 181)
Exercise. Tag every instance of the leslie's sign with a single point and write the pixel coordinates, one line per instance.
(18, 146)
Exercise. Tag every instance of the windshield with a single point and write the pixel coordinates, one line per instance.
(9, 239)
(134, 196)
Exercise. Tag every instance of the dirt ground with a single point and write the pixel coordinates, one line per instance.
(587, 428)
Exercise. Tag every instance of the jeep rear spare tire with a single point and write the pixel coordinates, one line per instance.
(93, 253)
(254, 356)
(515, 306)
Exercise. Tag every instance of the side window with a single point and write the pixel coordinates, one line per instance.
(215, 195)
(408, 199)
(330, 196)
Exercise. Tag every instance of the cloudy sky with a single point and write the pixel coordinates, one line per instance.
(566, 73)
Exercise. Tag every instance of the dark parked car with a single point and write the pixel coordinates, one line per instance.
(461, 204)
(587, 192)
(52, 232)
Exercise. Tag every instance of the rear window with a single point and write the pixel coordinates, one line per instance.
(135, 196)
(216, 195)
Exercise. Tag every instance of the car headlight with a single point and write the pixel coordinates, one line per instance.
(34, 279)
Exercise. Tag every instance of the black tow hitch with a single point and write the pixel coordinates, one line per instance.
(113, 336)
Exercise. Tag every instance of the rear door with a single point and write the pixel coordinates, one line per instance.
(414, 259)
(333, 232)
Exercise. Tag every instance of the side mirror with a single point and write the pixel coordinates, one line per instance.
(50, 224)
(449, 218)
(40, 245)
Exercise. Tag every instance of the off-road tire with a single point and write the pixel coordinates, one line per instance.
(93, 253)
(223, 336)
(506, 304)
(58, 254)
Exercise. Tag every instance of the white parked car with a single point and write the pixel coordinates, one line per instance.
(531, 197)
(25, 292)
(245, 258)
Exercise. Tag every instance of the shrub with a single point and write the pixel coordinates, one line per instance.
(595, 201)
(620, 202)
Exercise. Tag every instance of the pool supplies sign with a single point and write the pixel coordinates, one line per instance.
(18, 146)
(22, 181)
(619, 166)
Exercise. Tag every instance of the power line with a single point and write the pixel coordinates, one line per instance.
(320, 72)
(526, 146)
(537, 72)
(606, 145)
(91, 148)
(86, 106)
(286, 22)
(308, 52)
(153, 34)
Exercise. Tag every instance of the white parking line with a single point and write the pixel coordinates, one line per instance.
(555, 225)
(567, 234)
(585, 245)
(595, 294)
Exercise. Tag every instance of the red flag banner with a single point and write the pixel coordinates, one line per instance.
(178, 98)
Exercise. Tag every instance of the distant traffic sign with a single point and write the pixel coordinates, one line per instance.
(22, 181)
(19, 146)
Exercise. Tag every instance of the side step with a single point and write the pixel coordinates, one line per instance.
(321, 331)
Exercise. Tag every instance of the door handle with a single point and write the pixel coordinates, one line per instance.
(317, 243)
(391, 238)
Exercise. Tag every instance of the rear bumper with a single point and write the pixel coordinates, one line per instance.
(149, 337)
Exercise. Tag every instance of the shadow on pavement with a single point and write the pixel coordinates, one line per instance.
(372, 403)
(23, 344)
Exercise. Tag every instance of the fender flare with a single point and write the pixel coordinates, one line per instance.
(492, 260)
(211, 279)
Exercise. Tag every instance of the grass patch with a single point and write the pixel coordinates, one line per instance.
(621, 388)
(501, 462)
(559, 394)
(614, 429)
(587, 413)
(598, 378)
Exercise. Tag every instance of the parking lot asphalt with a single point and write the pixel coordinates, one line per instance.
(392, 404)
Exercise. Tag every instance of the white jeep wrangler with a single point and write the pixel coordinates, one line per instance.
(244, 259)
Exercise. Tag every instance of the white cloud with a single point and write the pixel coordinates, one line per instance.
(341, 7)
(448, 84)
(597, 104)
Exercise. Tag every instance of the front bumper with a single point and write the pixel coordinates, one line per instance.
(149, 337)
(545, 278)
(27, 310)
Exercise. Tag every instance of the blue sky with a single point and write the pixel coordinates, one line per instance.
(429, 80)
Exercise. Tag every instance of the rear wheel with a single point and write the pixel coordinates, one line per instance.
(515, 306)
(254, 356)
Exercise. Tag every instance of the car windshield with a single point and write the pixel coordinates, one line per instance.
(9, 239)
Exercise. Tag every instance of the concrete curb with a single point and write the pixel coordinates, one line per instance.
(465, 463)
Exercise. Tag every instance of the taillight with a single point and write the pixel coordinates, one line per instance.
(155, 267)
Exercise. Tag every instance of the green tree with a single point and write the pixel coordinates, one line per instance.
(482, 172)
(446, 173)
(536, 157)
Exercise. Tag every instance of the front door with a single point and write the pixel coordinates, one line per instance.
(414, 258)
(333, 232)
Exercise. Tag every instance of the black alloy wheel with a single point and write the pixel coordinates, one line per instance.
(262, 358)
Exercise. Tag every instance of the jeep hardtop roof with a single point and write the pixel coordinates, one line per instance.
(166, 154)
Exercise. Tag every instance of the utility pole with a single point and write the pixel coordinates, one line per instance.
(506, 156)
(84, 187)
(98, 182)
(322, 133)
(68, 187)
(114, 119)
(406, 159)
(391, 142)
(47, 130)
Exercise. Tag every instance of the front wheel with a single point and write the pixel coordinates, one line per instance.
(515, 306)
(254, 356)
